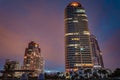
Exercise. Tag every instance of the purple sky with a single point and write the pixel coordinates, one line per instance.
(43, 22)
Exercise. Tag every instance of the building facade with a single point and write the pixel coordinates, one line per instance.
(96, 53)
(33, 59)
(78, 51)
(11, 66)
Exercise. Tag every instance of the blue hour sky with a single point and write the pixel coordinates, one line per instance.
(43, 22)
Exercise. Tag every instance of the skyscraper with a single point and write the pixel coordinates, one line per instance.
(33, 59)
(12, 65)
(78, 52)
(96, 53)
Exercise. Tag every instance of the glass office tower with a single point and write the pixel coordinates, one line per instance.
(78, 53)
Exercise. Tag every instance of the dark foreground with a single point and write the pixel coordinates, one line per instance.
(58, 79)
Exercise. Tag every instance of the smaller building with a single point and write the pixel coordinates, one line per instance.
(33, 59)
(12, 65)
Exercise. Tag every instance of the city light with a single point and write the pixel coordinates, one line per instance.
(75, 4)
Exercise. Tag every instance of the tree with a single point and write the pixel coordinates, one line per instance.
(100, 72)
(104, 72)
(116, 73)
(87, 72)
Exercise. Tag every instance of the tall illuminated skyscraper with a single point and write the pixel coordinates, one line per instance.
(33, 59)
(78, 51)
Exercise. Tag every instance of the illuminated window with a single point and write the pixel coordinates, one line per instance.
(86, 32)
(25, 57)
(77, 39)
(71, 34)
(68, 18)
(84, 15)
(77, 64)
(80, 11)
(81, 49)
(75, 21)
(36, 45)
(84, 19)
(83, 65)
(76, 53)
(73, 44)
(34, 54)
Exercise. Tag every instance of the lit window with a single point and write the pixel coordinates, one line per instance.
(77, 39)
(76, 53)
(80, 11)
(86, 32)
(81, 49)
(68, 34)
(77, 64)
(25, 57)
(74, 45)
(75, 21)
(36, 45)
(84, 15)
(71, 34)
(83, 65)
(84, 19)
(68, 18)
(34, 54)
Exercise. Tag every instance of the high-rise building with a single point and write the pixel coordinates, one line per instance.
(96, 53)
(11, 66)
(33, 59)
(78, 52)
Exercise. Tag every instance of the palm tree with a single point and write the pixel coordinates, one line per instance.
(100, 72)
(87, 72)
(105, 73)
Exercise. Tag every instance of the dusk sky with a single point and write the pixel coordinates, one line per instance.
(42, 21)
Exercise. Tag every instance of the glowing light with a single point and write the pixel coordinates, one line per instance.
(76, 53)
(75, 4)
(36, 45)
(80, 11)
(81, 49)
(75, 69)
(86, 32)
(74, 45)
(84, 19)
(71, 34)
(68, 18)
(83, 64)
(34, 54)
(25, 57)
(77, 39)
